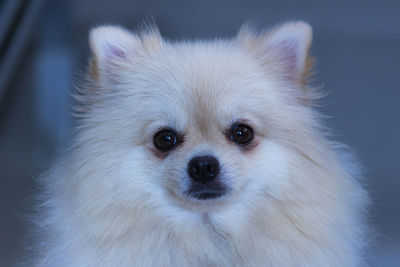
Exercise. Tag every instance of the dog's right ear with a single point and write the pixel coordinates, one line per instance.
(114, 47)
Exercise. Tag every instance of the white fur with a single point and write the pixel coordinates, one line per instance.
(295, 199)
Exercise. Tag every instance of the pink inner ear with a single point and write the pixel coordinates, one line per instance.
(288, 55)
(115, 52)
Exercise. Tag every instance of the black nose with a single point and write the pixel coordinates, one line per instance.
(203, 169)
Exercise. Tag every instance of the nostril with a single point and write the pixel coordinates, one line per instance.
(211, 169)
(203, 169)
(194, 169)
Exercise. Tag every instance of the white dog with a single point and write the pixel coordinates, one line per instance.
(205, 153)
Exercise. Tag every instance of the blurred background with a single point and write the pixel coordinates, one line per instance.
(43, 50)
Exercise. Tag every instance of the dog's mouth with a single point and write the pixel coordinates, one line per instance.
(208, 191)
(206, 194)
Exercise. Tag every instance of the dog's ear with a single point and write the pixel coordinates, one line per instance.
(113, 47)
(285, 47)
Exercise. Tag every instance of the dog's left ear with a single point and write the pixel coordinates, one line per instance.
(285, 48)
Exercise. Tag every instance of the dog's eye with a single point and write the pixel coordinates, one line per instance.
(241, 134)
(165, 140)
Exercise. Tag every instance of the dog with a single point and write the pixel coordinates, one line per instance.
(201, 153)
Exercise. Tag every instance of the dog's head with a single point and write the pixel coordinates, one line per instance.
(198, 124)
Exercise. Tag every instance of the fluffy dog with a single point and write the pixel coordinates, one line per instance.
(203, 153)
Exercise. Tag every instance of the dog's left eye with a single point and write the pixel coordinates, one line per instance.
(165, 140)
(241, 134)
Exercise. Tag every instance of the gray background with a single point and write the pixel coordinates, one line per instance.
(356, 43)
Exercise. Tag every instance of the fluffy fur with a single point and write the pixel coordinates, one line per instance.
(113, 200)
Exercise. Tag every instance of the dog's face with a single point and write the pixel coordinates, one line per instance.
(202, 124)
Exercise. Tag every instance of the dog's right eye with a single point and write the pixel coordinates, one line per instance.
(165, 140)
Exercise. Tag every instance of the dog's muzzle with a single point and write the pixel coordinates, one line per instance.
(204, 173)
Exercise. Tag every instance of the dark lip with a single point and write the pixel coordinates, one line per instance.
(209, 191)
(206, 194)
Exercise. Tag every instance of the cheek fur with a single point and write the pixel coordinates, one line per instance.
(267, 167)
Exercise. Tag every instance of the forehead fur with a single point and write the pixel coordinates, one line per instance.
(207, 81)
